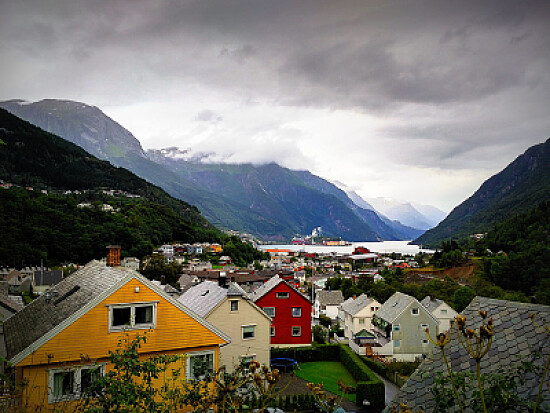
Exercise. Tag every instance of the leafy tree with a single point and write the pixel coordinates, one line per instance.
(462, 297)
(319, 334)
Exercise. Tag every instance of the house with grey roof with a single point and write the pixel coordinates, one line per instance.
(516, 339)
(18, 282)
(356, 314)
(228, 307)
(62, 339)
(327, 303)
(43, 279)
(289, 309)
(440, 310)
(400, 325)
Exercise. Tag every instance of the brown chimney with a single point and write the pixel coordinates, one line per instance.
(113, 255)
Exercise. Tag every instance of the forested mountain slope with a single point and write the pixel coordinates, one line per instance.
(522, 185)
(267, 200)
(42, 221)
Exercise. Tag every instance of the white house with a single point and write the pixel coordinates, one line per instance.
(440, 310)
(327, 303)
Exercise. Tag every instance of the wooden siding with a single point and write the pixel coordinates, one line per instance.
(88, 340)
(231, 323)
(283, 320)
(89, 336)
(35, 393)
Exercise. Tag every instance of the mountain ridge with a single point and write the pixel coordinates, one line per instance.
(271, 209)
(522, 185)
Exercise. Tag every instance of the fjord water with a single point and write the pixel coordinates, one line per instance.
(382, 247)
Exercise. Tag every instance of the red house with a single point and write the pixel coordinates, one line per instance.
(360, 251)
(289, 309)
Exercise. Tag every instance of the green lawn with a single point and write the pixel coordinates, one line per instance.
(327, 372)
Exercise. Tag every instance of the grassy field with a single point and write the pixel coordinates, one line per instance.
(327, 372)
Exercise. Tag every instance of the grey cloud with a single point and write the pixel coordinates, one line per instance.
(240, 54)
(208, 116)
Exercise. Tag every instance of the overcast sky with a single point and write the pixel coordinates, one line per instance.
(414, 100)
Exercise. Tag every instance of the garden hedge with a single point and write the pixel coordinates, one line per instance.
(369, 387)
(324, 352)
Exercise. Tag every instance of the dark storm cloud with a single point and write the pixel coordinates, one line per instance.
(360, 55)
(451, 76)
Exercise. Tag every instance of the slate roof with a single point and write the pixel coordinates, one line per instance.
(10, 304)
(515, 339)
(330, 297)
(185, 281)
(48, 277)
(266, 287)
(203, 297)
(352, 306)
(39, 317)
(393, 306)
(26, 329)
(431, 303)
(271, 284)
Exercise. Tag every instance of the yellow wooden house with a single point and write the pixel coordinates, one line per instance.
(62, 339)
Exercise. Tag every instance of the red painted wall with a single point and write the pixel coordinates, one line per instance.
(283, 320)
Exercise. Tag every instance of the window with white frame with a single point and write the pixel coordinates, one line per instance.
(132, 316)
(200, 364)
(282, 294)
(425, 341)
(296, 311)
(296, 331)
(73, 382)
(424, 327)
(414, 311)
(272, 331)
(245, 362)
(361, 321)
(443, 312)
(234, 304)
(249, 332)
(396, 327)
(270, 311)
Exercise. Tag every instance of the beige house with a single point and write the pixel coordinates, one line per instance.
(440, 310)
(228, 307)
(356, 314)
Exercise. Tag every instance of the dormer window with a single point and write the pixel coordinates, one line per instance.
(134, 316)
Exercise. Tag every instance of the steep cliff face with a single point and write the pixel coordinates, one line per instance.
(81, 124)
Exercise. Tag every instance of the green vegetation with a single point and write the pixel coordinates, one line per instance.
(328, 373)
(524, 263)
(369, 387)
(50, 226)
(521, 186)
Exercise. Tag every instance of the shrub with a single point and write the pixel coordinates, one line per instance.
(324, 320)
(369, 387)
(404, 368)
(376, 366)
(319, 334)
(323, 352)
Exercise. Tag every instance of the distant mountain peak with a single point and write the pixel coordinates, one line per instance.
(80, 123)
